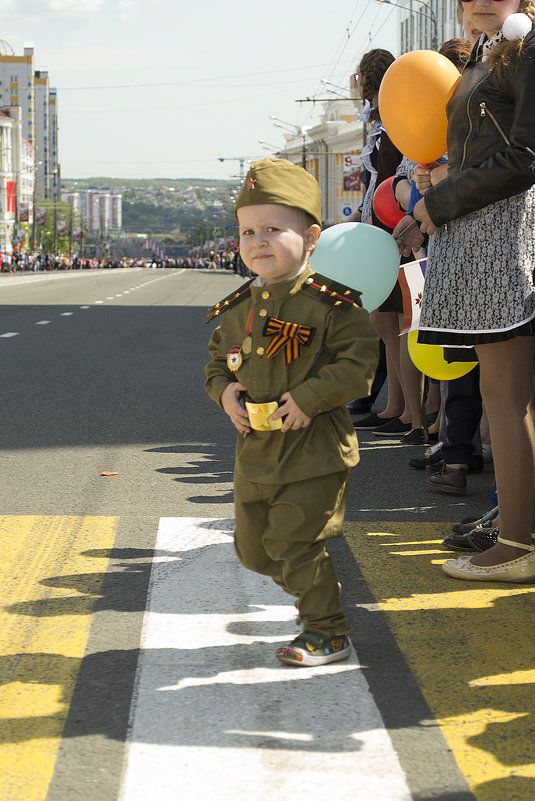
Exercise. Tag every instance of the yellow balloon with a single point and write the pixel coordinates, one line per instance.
(429, 359)
(412, 102)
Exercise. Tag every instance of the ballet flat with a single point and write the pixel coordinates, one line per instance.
(519, 571)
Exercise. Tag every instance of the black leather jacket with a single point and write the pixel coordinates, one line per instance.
(491, 137)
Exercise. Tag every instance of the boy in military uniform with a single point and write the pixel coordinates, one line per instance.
(291, 349)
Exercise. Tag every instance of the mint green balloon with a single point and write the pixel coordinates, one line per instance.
(360, 256)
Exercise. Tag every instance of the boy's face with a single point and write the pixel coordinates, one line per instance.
(275, 241)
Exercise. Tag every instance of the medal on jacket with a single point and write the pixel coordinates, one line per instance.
(247, 343)
(234, 358)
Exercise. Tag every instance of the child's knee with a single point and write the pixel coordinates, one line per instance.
(252, 556)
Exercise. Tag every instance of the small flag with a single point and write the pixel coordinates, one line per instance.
(411, 280)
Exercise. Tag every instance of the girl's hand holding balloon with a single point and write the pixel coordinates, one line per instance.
(427, 226)
(422, 176)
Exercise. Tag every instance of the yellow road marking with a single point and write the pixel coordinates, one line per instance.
(470, 647)
(48, 592)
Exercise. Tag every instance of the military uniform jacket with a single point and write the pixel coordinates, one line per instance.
(335, 366)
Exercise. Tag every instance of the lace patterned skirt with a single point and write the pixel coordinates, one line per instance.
(479, 284)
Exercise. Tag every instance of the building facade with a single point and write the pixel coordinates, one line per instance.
(24, 87)
(427, 25)
(331, 151)
(97, 210)
(17, 89)
(10, 138)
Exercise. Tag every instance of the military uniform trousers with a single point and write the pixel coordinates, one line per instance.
(281, 532)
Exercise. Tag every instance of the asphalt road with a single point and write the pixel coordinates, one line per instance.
(103, 371)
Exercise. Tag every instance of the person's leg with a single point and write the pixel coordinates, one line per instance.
(363, 405)
(380, 373)
(462, 415)
(302, 516)
(432, 401)
(413, 384)
(506, 388)
(251, 511)
(387, 326)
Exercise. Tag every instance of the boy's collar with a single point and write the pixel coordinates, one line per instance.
(260, 281)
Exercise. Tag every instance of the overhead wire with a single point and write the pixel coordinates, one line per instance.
(193, 82)
(371, 36)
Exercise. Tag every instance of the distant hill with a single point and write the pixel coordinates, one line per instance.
(160, 205)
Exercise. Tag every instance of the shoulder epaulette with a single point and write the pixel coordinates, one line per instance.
(327, 290)
(231, 300)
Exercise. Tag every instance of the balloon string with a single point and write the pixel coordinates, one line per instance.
(400, 237)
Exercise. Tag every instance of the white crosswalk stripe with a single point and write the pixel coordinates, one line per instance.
(214, 715)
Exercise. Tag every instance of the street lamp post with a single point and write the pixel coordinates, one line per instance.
(297, 129)
(430, 15)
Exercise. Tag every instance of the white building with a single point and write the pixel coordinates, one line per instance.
(99, 210)
(426, 26)
(116, 212)
(17, 89)
(10, 168)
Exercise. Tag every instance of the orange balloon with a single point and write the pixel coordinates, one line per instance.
(412, 102)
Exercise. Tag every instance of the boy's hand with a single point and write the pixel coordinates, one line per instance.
(295, 418)
(232, 406)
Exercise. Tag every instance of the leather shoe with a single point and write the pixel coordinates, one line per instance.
(483, 537)
(457, 542)
(432, 456)
(360, 406)
(418, 436)
(394, 428)
(372, 421)
(451, 480)
(474, 466)
(468, 524)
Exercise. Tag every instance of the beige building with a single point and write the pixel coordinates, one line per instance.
(332, 153)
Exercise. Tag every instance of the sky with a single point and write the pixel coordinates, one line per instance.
(165, 88)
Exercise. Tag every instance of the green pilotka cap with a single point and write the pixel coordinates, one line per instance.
(281, 182)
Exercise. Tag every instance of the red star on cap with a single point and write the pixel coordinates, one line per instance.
(250, 184)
